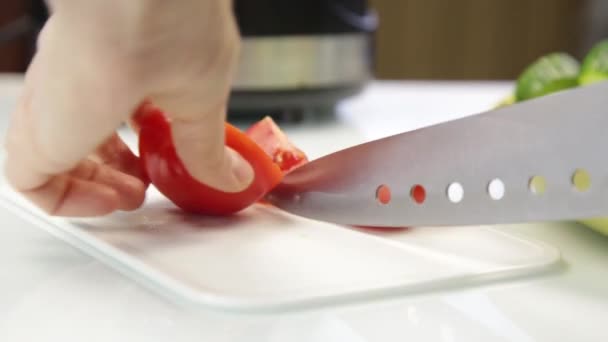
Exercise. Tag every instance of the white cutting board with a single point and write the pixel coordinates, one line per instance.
(264, 259)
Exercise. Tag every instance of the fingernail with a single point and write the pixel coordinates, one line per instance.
(242, 171)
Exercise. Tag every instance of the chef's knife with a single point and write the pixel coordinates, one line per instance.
(544, 159)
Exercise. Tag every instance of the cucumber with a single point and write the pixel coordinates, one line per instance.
(548, 74)
(595, 65)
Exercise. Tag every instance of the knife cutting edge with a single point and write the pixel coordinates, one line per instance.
(539, 160)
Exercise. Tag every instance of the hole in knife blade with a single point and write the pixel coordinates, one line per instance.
(581, 180)
(383, 194)
(538, 185)
(418, 193)
(496, 189)
(455, 192)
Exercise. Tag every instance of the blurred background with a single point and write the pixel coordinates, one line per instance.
(349, 42)
(479, 39)
(421, 39)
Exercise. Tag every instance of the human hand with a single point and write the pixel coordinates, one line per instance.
(97, 61)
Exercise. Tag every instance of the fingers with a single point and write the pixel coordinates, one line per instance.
(67, 121)
(116, 154)
(55, 126)
(67, 111)
(131, 190)
(69, 196)
(91, 189)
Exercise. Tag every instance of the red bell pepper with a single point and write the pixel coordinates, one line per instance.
(273, 157)
(168, 174)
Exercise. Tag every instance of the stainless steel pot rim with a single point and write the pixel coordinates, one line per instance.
(301, 62)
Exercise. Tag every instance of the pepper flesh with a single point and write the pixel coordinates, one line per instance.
(267, 134)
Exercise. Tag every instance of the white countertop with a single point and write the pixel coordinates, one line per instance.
(49, 291)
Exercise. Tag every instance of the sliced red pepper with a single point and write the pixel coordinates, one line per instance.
(168, 174)
(275, 143)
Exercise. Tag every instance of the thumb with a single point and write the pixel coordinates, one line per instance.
(195, 96)
(200, 144)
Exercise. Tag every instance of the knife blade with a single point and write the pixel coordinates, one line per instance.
(539, 160)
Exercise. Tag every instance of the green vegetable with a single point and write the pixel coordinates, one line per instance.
(597, 224)
(595, 65)
(548, 74)
(507, 101)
